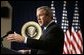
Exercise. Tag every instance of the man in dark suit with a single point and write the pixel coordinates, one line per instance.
(52, 39)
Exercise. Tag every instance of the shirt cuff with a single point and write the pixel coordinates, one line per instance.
(25, 41)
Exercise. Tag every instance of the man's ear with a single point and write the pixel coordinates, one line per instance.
(48, 17)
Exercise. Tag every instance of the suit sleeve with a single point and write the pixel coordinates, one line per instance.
(54, 41)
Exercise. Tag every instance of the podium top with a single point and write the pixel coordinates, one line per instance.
(8, 51)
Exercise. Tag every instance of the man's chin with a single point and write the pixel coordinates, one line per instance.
(41, 24)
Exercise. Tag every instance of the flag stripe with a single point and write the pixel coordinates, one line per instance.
(76, 44)
(80, 36)
(67, 42)
(73, 48)
(68, 39)
(80, 43)
(64, 52)
(66, 47)
(68, 36)
(76, 37)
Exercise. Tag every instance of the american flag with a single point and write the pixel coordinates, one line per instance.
(76, 35)
(53, 11)
(65, 27)
(73, 41)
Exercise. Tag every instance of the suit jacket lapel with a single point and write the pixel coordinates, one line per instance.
(45, 31)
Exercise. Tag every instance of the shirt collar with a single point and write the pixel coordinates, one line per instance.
(48, 24)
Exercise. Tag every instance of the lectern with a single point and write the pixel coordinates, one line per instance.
(8, 51)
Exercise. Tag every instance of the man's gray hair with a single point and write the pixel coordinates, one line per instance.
(46, 8)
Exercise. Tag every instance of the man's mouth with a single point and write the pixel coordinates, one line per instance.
(40, 22)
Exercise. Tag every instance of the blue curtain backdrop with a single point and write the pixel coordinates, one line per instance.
(24, 11)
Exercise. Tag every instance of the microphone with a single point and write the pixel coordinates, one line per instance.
(9, 32)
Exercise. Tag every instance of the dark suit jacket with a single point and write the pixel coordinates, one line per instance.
(51, 41)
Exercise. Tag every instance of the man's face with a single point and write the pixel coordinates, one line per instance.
(42, 17)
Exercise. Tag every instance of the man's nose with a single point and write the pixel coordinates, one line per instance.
(39, 18)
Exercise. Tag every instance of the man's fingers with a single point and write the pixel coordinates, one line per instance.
(15, 33)
(10, 37)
